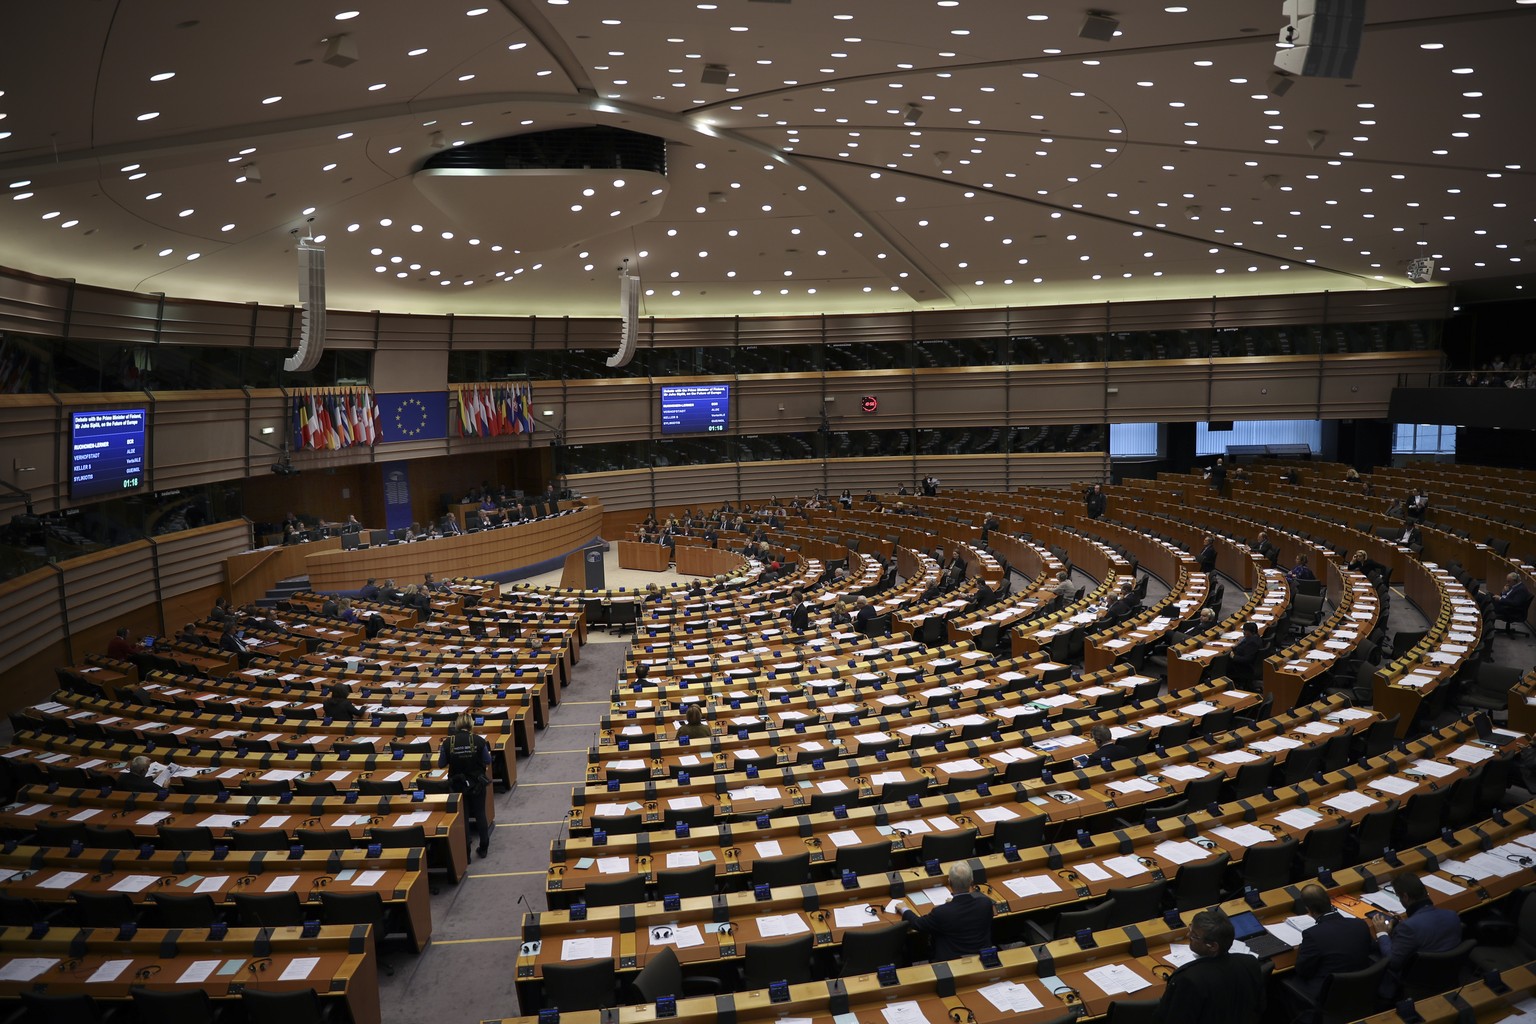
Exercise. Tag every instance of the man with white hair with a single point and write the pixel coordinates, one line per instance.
(961, 927)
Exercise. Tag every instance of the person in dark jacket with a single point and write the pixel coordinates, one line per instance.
(1244, 663)
(961, 927)
(1421, 928)
(1207, 557)
(1334, 944)
(135, 779)
(339, 707)
(800, 614)
(1301, 570)
(468, 760)
(370, 591)
(1218, 986)
(1095, 501)
(1106, 750)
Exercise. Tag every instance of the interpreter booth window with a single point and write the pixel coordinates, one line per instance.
(1134, 441)
(1288, 434)
(1423, 439)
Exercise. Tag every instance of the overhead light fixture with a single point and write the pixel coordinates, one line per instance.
(714, 74)
(1099, 25)
(340, 51)
(913, 115)
(1421, 270)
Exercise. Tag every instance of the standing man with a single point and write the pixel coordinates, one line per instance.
(1094, 500)
(1207, 557)
(961, 927)
(1217, 986)
(468, 760)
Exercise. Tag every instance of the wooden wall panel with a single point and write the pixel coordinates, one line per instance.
(31, 616)
(195, 440)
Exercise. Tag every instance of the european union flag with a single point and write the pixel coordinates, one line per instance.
(413, 416)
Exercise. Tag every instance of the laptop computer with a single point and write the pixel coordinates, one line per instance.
(1250, 931)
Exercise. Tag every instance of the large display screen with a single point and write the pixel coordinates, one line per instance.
(106, 452)
(695, 408)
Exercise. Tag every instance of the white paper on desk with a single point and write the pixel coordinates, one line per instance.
(1114, 979)
(832, 786)
(591, 947)
(1434, 769)
(1132, 786)
(1299, 817)
(1010, 997)
(610, 810)
(366, 878)
(338, 776)
(1183, 772)
(1469, 754)
(153, 817)
(109, 971)
(1127, 866)
(1092, 872)
(1443, 885)
(995, 814)
(966, 765)
(846, 837)
(85, 815)
(1277, 744)
(221, 820)
(1317, 729)
(913, 827)
(1348, 802)
(907, 1012)
(1243, 835)
(1349, 715)
(213, 883)
(1285, 933)
(135, 883)
(853, 917)
(282, 883)
(198, 970)
(299, 968)
(942, 824)
(1179, 954)
(1235, 757)
(613, 865)
(25, 967)
(1032, 885)
(682, 859)
(62, 880)
(769, 848)
(1181, 851)
(1394, 784)
(781, 926)
(685, 803)
(1385, 900)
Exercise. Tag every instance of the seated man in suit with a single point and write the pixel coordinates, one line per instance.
(985, 595)
(1244, 663)
(135, 778)
(1106, 750)
(1515, 602)
(1207, 556)
(1421, 928)
(331, 607)
(1334, 944)
(370, 591)
(800, 614)
(1218, 986)
(863, 612)
(961, 927)
(1121, 607)
(1410, 537)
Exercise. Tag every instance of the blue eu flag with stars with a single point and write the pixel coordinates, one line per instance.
(413, 416)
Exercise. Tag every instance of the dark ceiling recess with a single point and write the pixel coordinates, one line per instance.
(590, 148)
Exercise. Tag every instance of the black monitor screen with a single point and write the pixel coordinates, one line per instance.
(106, 452)
(695, 408)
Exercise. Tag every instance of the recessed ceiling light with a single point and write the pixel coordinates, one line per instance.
(377, 86)
(475, 12)
(270, 100)
(347, 15)
(416, 52)
(163, 76)
(166, 252)
(193, 255)
(516, 46)
(149, 116)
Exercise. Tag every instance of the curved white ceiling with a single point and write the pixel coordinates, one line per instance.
(1043, 167)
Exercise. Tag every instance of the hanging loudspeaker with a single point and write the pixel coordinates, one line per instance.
(629, 310)
(312, 300)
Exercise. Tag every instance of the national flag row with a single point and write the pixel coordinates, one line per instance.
(334, 418)
(495, 410)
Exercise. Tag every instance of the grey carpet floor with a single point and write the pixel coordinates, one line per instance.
(466, 974)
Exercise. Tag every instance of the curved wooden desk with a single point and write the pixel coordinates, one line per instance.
(470, 554)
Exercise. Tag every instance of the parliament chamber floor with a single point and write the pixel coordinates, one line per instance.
(285, 863)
